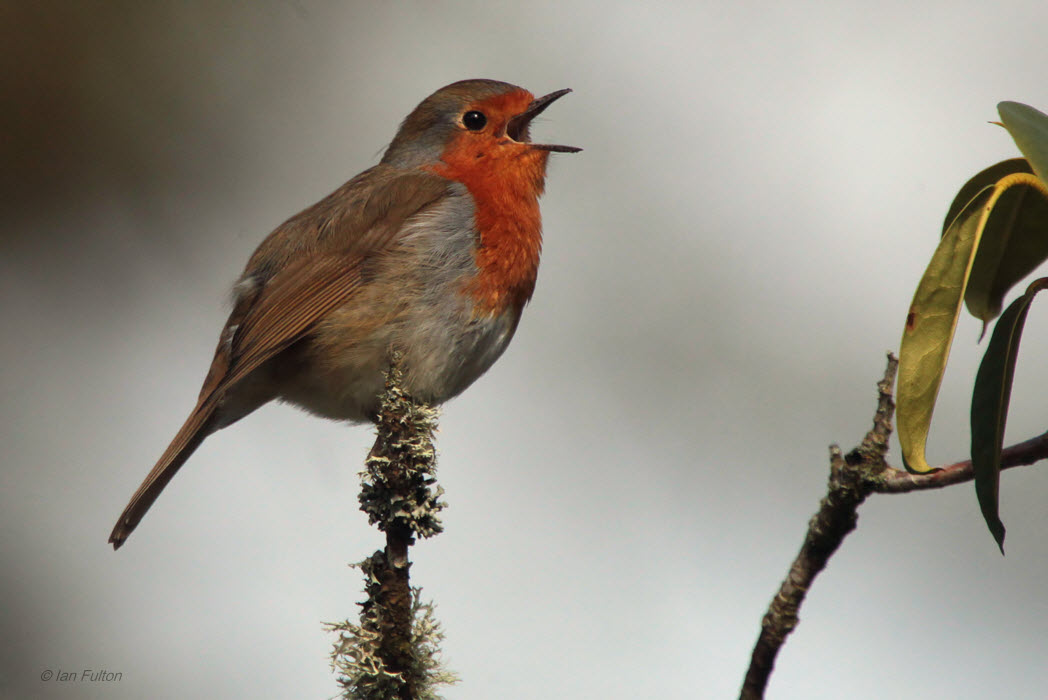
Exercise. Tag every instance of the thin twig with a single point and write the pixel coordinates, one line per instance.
(1018, 455)
(392, 652)
(850, 482)
(853, 477)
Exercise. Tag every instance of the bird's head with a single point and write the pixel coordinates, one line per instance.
(473, 120)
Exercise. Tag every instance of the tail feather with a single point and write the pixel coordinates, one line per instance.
(198, 426)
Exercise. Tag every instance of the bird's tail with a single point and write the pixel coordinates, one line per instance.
(199, 425)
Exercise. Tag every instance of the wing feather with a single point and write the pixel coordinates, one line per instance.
(306, 268)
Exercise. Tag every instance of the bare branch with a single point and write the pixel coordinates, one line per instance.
(853, 477)
(1018, 455)
(851, 481)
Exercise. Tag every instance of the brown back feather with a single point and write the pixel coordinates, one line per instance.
(307, 267)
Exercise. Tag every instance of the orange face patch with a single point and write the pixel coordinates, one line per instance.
(505, 179)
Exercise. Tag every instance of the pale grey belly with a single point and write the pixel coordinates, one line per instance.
(442, 353)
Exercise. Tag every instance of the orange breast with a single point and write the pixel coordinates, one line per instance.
(505, 181)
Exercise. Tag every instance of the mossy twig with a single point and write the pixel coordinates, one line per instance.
(394, 652)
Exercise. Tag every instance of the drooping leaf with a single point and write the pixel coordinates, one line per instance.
(990, 243)
(1029, 128)
(930, 325)
(979, 182)
(993, 388)
(1013, 243)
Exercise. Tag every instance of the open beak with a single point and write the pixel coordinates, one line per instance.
(517, 127)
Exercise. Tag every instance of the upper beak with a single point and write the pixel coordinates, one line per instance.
(517, 127)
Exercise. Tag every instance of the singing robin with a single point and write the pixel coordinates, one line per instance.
(432, 253)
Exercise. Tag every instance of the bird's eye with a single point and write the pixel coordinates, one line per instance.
(474, 120)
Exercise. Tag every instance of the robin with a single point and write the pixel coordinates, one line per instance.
(432, 253)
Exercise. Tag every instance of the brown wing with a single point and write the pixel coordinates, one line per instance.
(312, 264)
(305, 269)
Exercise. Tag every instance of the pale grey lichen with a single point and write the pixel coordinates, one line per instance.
(357, 659)
(399, 488)
(393, 652)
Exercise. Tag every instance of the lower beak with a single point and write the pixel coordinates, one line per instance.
(517, 128)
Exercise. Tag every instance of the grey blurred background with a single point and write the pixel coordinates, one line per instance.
(725, 266)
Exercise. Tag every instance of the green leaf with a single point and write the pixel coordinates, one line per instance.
(993, 388)
(930, 326)
(979, 182)
(992, 240)
(1014, 242)
(1029, 129)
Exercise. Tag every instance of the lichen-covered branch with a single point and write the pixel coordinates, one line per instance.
(853, 477)
(393, 653)
(364, 673)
